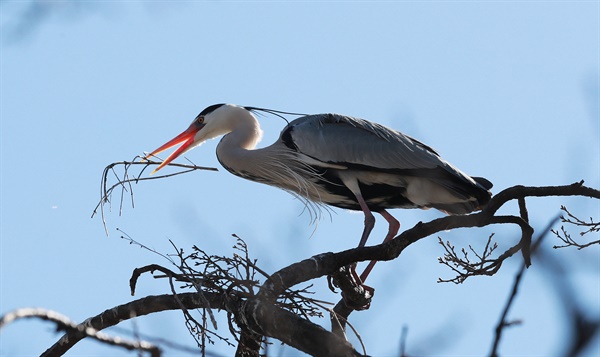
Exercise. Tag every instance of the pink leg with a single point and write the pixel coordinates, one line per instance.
(354, 187)
(392, 231)
(369, 220)
(369, 224)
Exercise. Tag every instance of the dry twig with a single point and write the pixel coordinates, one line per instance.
(232, 277)
(125, 180)
(463, 266)
(565, 237)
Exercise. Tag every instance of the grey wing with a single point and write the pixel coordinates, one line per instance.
(351, 142)
(341, 142)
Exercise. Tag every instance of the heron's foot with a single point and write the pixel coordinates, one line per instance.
(344, 277)
(355, 294)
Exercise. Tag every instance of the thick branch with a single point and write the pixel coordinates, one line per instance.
(140, 307)
(82, 330)
(266, 319)
(328, 263)
(511, 193)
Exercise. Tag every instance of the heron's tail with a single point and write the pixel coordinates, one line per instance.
(485, 183)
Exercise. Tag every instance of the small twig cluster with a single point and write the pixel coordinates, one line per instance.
(125, 178)
(565, 237)
(232, 277)
(463, 266)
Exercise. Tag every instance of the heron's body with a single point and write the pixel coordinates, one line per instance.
(316, 153)
(339, 161)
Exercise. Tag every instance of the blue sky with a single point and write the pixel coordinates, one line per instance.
(507, 90)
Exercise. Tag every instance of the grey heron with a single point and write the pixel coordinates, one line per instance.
(336, 160)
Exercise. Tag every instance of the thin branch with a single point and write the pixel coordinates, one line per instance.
(571, 219)
(184, 267)
(64, 323)
(463, 267)
(132, 241)
(503, 323)
(403, 336)
(564, 236)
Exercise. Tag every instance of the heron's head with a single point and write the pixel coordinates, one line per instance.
(213, 121)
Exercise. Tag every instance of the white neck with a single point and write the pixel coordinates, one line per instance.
(242, 133)
(274, 165)
(245, 133)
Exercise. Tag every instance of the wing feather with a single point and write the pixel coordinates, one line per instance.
(342, 140)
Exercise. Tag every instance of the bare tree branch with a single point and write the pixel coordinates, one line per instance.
(328, 263)
(462, 266)
(271, 320)
(231, 287)
(503, 323)
(583, 326)
(140, 307)
(64, 323)
(565, 237)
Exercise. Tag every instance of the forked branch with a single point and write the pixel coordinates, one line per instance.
(570, 219)
(463, 266)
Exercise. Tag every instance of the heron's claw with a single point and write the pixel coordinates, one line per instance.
(331, 283)
(355, 294)
(361, 300)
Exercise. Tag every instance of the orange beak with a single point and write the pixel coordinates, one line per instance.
(187, 138)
